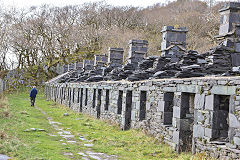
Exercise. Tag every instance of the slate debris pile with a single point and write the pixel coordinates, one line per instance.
(95, 78)
(192, 65)
(144, 69)
(159, 63)
(82, 77)
(132, 73)
(168, 70)
(114, 74)
(147, 63)
(119, 73)
(126, 71)
(89, 76)
(234, 72)
(140, 75)
(69, 77)
(108, 69)
(219, 60)
(91, 73)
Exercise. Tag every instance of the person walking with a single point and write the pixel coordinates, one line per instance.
(33, 94)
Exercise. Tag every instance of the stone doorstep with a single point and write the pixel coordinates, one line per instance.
(220, 143)
(231, 146)
(223, 146)
(236, 140)
(235, 150)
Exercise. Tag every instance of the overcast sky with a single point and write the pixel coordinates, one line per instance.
(27, 3)
(135, 3)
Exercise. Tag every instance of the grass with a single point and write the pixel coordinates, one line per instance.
(16, 115)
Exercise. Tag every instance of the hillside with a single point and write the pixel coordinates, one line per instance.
(60, 35)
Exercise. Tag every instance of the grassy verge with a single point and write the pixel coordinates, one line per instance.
(17, 116)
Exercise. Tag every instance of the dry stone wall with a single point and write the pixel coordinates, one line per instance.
(2, 85)
(201, 114)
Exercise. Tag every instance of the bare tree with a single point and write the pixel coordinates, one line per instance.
(42, 37)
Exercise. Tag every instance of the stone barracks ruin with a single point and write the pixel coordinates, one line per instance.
(190, 101)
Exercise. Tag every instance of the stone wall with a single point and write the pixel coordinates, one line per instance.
(198, 114)
(2, 85)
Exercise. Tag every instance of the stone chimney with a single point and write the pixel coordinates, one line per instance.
(137, 51)
(230, 17)
(79, 66)
(100, 61)
(65, 68)
(88, 65)
(71, 67)
(115, 57)
(173, 41)
(229, 30)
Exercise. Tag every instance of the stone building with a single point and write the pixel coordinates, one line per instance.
(200, 113)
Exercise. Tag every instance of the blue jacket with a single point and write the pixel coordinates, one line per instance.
(33, 93)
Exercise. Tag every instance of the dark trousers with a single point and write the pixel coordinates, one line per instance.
(32, 101)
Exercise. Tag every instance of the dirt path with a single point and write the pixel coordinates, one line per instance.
(68, 139)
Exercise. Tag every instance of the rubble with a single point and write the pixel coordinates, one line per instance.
(175, 61)
(217, 61)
